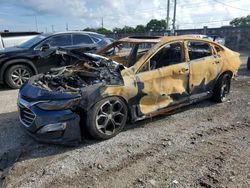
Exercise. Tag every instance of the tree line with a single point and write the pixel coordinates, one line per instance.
(155, 25)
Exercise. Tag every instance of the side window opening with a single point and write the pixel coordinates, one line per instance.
(197, 50)
(81, 39)
(61, 40)
(169, 55)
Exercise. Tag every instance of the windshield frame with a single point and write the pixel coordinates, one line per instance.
(121, 42)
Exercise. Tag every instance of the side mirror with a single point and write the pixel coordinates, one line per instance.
(44, 47)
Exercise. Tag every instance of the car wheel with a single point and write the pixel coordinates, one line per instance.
(17, 75)
(107, 118)
(248, 63)
(222, 88)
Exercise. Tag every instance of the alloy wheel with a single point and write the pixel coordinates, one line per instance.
(19, 76)
(110, 117)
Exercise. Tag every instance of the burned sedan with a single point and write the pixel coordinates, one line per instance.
(129, 80)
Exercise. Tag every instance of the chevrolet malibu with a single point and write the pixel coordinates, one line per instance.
(131, 79)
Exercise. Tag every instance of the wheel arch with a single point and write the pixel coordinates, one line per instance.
(12, 62)
(230, 73)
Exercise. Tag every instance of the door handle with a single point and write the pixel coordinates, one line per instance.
(217, 62)
(183, 70)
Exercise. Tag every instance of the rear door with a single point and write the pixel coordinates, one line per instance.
(205, 66)
(83, 42)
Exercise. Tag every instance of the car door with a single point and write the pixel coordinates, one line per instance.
(82, 42)
(47, 58)
(166, 82)
(205, 66)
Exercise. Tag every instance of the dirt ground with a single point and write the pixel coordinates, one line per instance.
(203, 145)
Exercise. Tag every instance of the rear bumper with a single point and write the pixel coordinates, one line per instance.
(58, 127)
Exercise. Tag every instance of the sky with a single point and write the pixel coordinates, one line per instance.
(22, 15)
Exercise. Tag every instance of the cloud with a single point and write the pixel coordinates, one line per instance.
(118, 13)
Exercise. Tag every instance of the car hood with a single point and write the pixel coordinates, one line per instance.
(32, 93)
(72, 81)
(12, 51)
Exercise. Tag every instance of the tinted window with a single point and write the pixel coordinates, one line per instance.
(60, 40)
(32, 42)
(169, 55)
(96, 39)
(198, 50)
(81, 39)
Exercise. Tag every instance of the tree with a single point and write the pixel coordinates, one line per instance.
(117, 30)
(140, 29)
(242, 21)
(128, 29)
(156, 25)
(103, 31)
(98, 30)
(90, 29)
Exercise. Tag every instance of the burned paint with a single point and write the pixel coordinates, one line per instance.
(147, 91)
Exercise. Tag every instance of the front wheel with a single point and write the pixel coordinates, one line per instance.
(107, 118)
(222, 88)
(17, 75)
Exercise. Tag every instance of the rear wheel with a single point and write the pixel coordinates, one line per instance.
(107, 118)
(248, 63)
(222, 88)
(17, 75)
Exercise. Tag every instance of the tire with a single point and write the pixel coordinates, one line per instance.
(107, 118)
(222, 88)
(248, 63)
(17, 75)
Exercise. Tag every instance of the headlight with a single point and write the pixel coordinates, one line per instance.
(58, 105)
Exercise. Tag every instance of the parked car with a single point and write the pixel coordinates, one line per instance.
(214, 38)
(131, 79)
(18, 64)
(218, 39)
(10, 39)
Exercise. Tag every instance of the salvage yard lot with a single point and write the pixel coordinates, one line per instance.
(203, 145)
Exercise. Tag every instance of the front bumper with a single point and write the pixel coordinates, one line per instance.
(59, 127)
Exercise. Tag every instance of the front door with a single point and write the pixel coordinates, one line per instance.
(164, 80)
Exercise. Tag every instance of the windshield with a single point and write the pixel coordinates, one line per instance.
(32, 42)
(127, 53)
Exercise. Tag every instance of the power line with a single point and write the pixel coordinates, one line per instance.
(231, 6)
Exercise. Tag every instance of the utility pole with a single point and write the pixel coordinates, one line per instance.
(52, 28)
(67, 27)
(167, 26)
(36, 24)
(102, 22)
(174, 19)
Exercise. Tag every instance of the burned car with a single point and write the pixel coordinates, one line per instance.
(131, 79)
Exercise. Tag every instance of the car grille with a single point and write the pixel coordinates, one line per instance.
(26, 115)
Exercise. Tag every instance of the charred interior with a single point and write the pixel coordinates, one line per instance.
(87, 69)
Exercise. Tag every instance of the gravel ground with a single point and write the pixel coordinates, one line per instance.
(203, 145)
